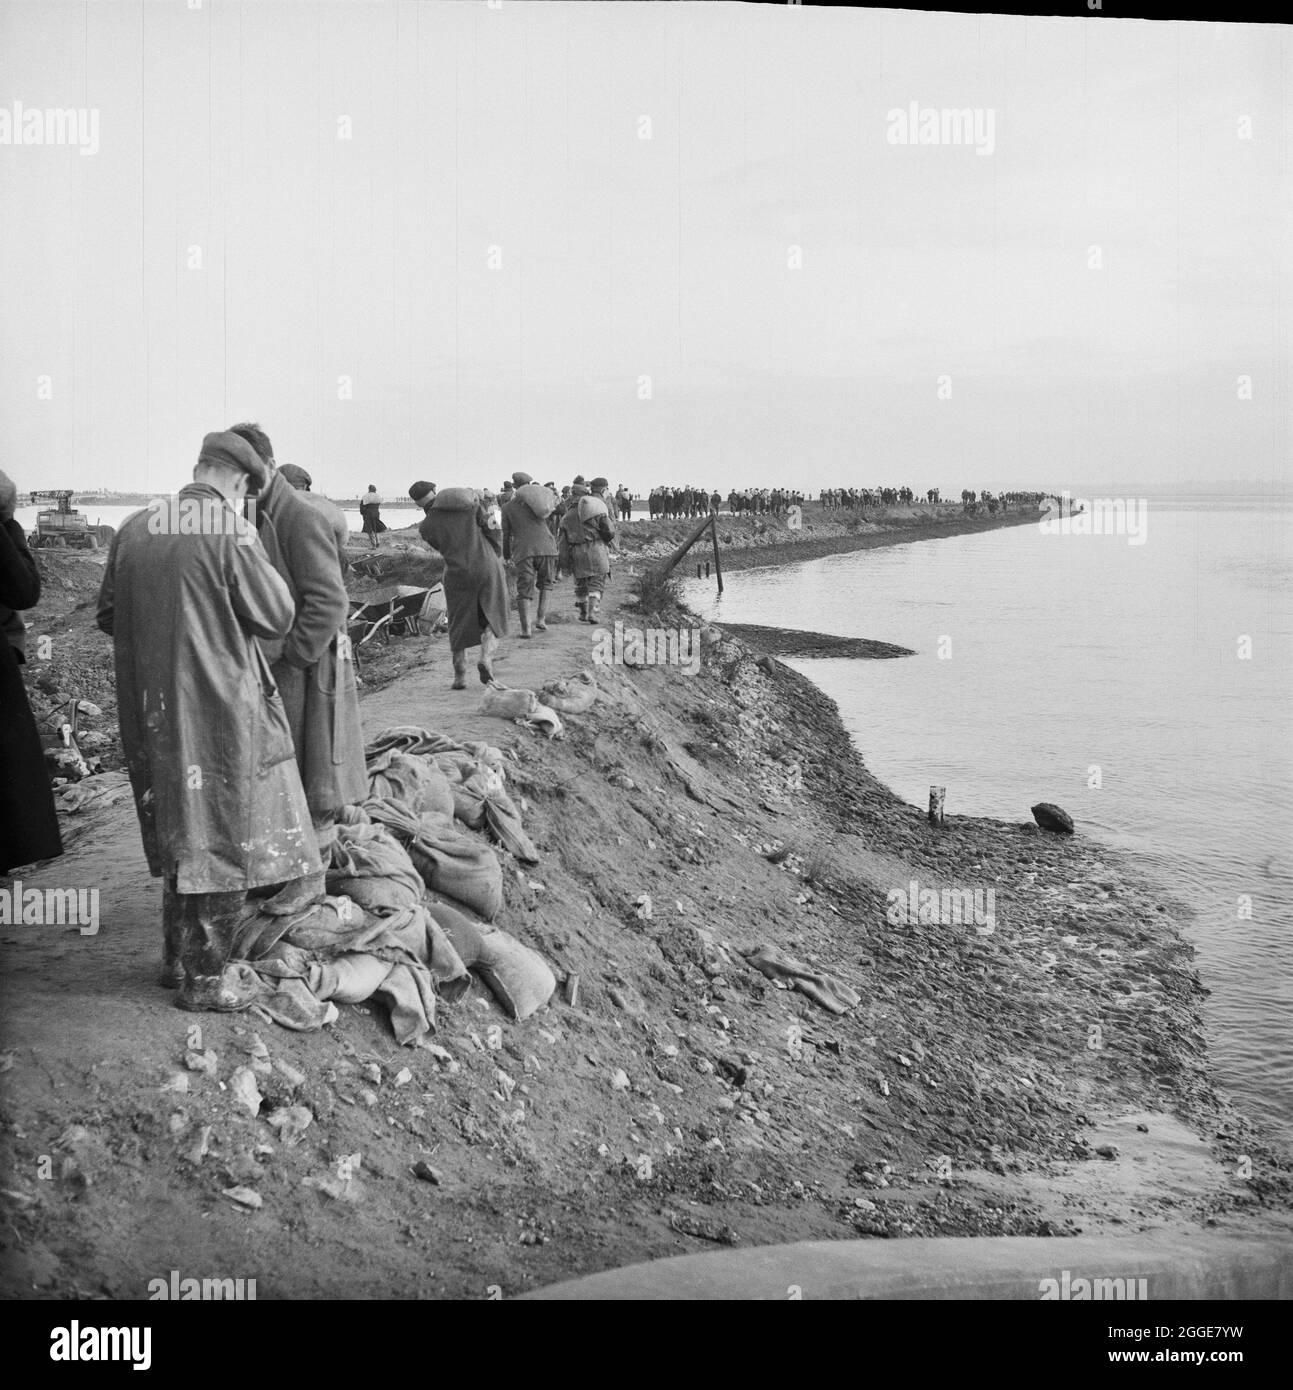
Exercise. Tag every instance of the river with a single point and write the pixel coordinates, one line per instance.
(1143, 687)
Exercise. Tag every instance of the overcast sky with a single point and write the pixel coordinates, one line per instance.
(496, 270)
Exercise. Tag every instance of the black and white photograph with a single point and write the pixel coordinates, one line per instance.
(647, 651)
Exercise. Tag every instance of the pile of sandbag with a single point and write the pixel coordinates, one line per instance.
(410, 897)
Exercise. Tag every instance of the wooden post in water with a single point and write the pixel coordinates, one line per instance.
(718, 563)
(936, 797)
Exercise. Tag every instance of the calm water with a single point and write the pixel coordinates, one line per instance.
(1069, 653)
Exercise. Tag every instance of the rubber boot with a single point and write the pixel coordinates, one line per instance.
(594, 602)
(211, 984)
(459, 671)
(542, 613)
(582, 605)
(485, 666)
(523, 613)
(171, 975)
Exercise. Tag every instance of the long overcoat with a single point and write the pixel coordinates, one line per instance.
(475, 583)
(28, 820)
(203, 727)
(304, 536)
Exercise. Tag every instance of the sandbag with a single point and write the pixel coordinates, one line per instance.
(471, 783)
(457, 865)
(517, 976)
(507, 703)
(539, 499)
(456, 499)
(571, 696)
(369, 865)
(416, 782)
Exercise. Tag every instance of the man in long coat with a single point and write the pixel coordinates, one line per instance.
(28, 820)
(188, 592)
(312, 665)
(531, 546)
(462, 529)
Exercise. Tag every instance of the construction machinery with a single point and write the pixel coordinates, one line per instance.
(62, 527)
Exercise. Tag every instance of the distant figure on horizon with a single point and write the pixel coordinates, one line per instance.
(370, 509)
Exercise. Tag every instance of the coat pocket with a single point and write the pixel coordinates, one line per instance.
(273, 733)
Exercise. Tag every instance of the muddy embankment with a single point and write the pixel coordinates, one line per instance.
(1031, 1063)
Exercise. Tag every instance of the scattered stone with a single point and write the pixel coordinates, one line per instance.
(403, 1076)
(1107, 1150)
(422, 1169)
(570, 992)
(177, 1081)
(619, 1080)
(242, 1084)
(204, 1062)
(291, 1122)
(372, 1072)
(1144, 1129)
(702, 1228)
(368, 1097)
(244, 1196)
(201, 1146)
(256, 1046)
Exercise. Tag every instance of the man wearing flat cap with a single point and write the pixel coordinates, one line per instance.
(305, 538)
(207, 743)
(531, 546)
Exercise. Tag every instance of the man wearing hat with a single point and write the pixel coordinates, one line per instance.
(206, 737)
(585, 533)
(531, 546)
(304, 537)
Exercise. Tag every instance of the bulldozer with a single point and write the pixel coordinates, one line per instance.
(62, 527)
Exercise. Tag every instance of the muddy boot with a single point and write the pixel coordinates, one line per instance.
(582, 605)
(211, 984)
(523, 614)
(594, 602)
(171, 975)
(485, 666)
(539, 624)
(459, 671)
